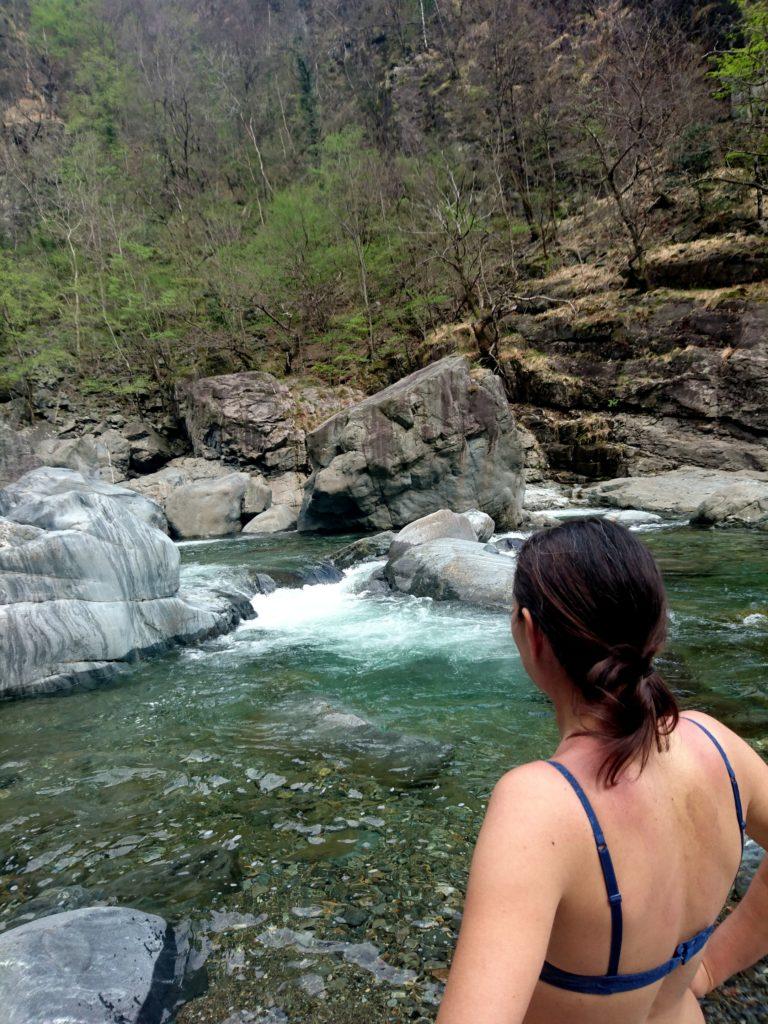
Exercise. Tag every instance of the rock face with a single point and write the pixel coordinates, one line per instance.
(252, 419)
(454, 570)
(88, 580)
(276, 519)
(99, 965)
(743, 504)
(16, 455)
(441, 438)
(678, 493)
(436, 526)
(208, 508)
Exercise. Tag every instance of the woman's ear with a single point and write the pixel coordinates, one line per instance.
(533, 634)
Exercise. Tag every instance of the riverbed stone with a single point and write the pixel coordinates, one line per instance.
(97, 965)
(443, 437)
(743, 504)
(678, 493)
(276, 519)
(208, 508)
(454, 570)
(364, 550)
(442, 523)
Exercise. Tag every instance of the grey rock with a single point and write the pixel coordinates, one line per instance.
(326, 572)
(257, 497)
(544, 497)
(676, 493)
(750, 862)
(633, 517)
(288, 489)
(365, 549)
(481, 523)
(276, 519)
(454, 570)
(742, 504)
(114, 455)
(98, 965)
(19, 500)
(16, 455)
(88, 581)
(262, 583)
(444, 437)
(177, 473)
(148, 449)
(207, 508)
(78, 453)
(432, 527)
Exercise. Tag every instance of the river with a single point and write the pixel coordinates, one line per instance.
(322, 879)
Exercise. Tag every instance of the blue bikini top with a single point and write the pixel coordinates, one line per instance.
(611, 982)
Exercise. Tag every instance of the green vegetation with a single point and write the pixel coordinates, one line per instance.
(192, 189)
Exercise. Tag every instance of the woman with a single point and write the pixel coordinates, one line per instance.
(598, 876)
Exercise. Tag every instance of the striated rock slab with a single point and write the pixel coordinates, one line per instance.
(87, 581)
(454, 570)
(444, 437)
(677, 493)
(97, 965)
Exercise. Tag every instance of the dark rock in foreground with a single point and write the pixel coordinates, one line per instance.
(364, 550)
(99, 965)
(454, 570)
(444, 437)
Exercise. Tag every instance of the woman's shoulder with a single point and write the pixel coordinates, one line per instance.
(535, 797)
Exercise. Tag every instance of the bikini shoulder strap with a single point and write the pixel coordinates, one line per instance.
(609, 875)
(731, 774)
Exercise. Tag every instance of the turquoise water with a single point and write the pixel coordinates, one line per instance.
(203, 779)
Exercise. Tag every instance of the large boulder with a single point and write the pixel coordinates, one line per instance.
(454, 570)
(276, 519)
(148, 449)
(481, 523)
(744, 504)
(435, 526)
(444, 437)
(208, 508)
(677, 493)
(97, 965)
(365, 549)
(253, 419)
(88, 581)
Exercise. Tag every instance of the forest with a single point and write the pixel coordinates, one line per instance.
(311, 187)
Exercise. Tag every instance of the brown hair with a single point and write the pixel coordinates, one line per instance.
(596, 593)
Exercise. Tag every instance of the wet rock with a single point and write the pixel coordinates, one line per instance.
(366, 549)
(98, 965)
(743, 504)
(262, 583)
(677, 493)
(440, 524)
(396, 756)
(88, 581)
(326, 572)
(208, 508)
(454, 570)
(481, 523)
(444, 437)
(508, 544)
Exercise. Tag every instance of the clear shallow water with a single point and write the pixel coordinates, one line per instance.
(206, 778)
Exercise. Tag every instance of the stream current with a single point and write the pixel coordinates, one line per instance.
(323, 878)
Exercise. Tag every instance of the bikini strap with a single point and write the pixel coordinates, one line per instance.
(731, 775)
(609, 875)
